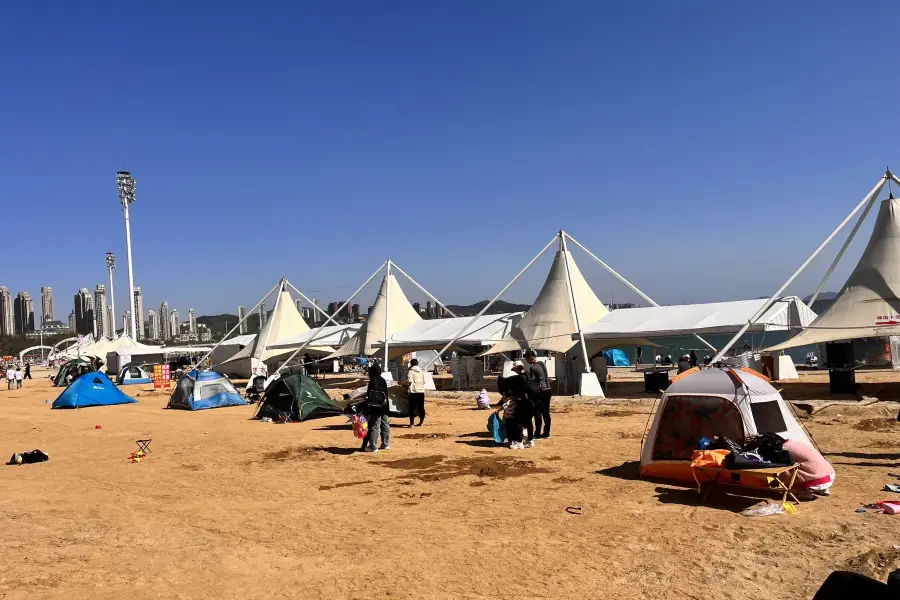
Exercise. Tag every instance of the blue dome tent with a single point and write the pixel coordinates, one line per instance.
(132, 374)
(198, 390)
(91, 389)
(616, 358)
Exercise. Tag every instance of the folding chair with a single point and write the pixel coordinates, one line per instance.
(285, 417)
(144, 445)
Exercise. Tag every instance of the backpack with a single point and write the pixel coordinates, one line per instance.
(376, 398)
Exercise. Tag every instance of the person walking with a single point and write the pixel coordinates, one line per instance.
(19, 377)
(539, 394)
(28, 370)
(10, 376)
(416, 380)
(377, 403)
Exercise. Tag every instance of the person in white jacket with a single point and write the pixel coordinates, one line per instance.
(416, 382)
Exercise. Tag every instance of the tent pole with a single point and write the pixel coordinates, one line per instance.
(463, 331)
(872, 193)
(313, 304)
(630, 285)
(843, 249)
(321, 327)
(233, 329)
(562, 244)
(426, 292)
(387, 316)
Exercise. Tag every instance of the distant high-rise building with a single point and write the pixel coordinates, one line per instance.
(7, 324)
(332, 308)
(354, 312)
(84, 312)
(317, 316)
(192, 321)
(263, 315)
(307, 314)
(46, 305)
(242, 314)
(109, 319)
(429, 310)
(417, 307)
(369, 311)
(174, 323)
(23, 312)
(153, 325)
(102, 324)
(165, 325)
(439, 311)
(139, 313)
(204, 334)
(126, 318)
(72, 321)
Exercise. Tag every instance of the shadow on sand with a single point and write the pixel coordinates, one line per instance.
(628, 470)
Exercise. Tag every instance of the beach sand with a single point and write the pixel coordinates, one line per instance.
(225, 508)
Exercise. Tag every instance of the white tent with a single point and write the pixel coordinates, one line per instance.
(391, 312)
(333, 336)
(433, 334)
(284, 323)
(715, 317)
(550, 322)
(136, 352)
(869, 303)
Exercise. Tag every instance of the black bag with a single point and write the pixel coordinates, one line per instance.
(376, 398)
(771, 447)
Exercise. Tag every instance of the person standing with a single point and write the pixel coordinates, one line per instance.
(637, 355)
(28, 370)
(416, 381)
(539, 394)
(10, 376)
(19, 377)
(377, 403)
(693, 356)
(517, 411)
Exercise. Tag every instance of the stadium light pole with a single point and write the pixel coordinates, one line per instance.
(111, 266)
(126, 197)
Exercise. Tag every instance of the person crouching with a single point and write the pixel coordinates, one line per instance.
(517, 412)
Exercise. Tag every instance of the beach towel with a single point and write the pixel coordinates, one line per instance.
(497, 427)
(815, 473)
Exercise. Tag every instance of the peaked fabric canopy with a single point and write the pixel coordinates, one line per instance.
(550, 322)
(284, 323)
(433, 334)
(331, 335)
(402, 315)
(868, 305)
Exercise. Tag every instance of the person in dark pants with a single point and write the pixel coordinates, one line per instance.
(517, 411)
(377, 403)
(416, 382)
(693, 357)
(28, 370)
(539, 394)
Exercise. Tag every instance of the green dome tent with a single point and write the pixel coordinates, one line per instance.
(298, 395)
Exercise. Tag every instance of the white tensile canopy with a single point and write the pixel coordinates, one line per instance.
(550, 322)
(716, 317)
(391, 313)
(434, 334)
(325, 338)
(284, 323)
(103, 346)
(869, 303)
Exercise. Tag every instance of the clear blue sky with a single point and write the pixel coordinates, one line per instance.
(703, 148)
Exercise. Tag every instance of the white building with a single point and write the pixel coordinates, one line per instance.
(192, 321)
(153, 325)
(102, 324)
(165, 324)
(242, 315)
(139, 313)
(46, 304)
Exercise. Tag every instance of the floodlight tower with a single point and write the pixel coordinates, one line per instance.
(111, 266)
(126, 197)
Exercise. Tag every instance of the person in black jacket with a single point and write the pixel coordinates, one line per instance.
(518, 411)
(377, 405)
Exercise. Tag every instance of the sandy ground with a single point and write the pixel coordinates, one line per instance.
(230, 508)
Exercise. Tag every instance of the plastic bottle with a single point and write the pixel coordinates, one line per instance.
(764, 510)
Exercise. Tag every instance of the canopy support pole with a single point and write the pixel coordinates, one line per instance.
(233, 329)
(630, 285)
(463, 331)
(873, 193)
(321, 327)
(426, 292)
(843, 249)
(268, 332)
(313, 304)
(387, 316)
(590, 383)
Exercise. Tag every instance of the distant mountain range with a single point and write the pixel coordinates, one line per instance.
(500, 306)
(822, 296)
